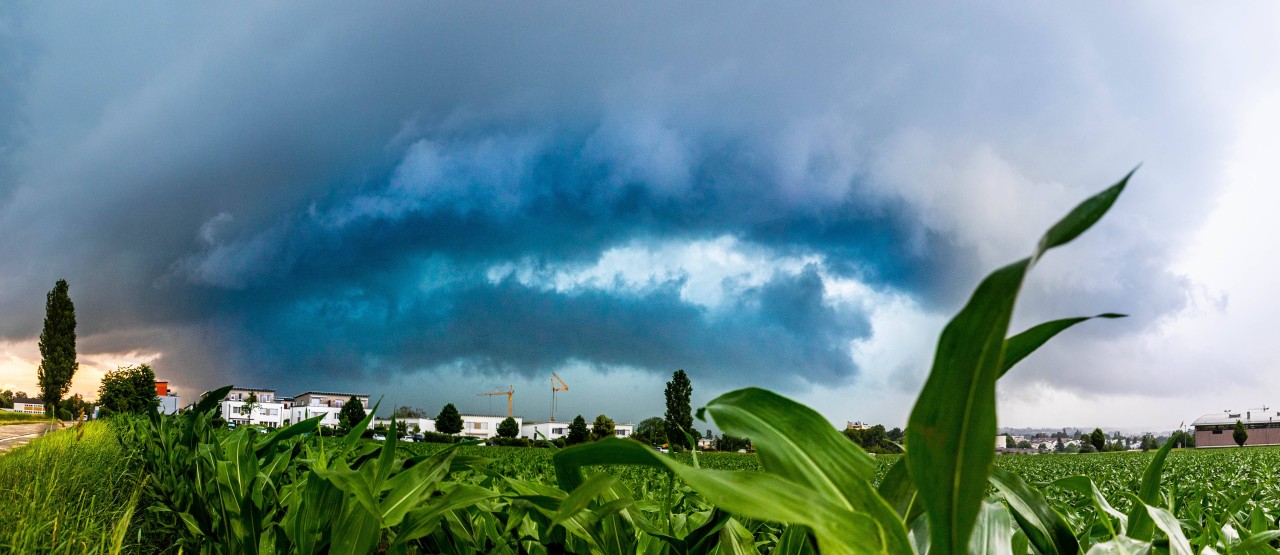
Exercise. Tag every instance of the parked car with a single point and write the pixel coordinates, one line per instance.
(379, 437)
(408, 438)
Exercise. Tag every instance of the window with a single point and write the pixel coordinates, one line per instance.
(336, 403)
(477, 425)
(559, 431)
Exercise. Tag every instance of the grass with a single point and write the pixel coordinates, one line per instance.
(67, 492)
(8, 417)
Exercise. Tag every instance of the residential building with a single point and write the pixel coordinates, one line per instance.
(557, 430)
(264, 410)
(28, 405)
(483, 426)
(168, 398)
(311, 404)
(414, 425)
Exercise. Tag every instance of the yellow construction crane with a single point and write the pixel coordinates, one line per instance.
(510, 392)
(555, 378)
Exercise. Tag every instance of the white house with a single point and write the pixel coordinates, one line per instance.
(264, 411)
(168, 398)
(557, 430)
(316, 403)
(482, 426)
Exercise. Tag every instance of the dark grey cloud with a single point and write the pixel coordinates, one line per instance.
(315, 192)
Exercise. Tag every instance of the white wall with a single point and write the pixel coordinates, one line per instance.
(271, 415)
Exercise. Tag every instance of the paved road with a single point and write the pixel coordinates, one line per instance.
(14, 435)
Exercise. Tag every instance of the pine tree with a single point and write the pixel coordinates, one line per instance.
(679, 415)
(449, 421)
(57, 347)
(508, 428)
(578, 432)
(351, 414)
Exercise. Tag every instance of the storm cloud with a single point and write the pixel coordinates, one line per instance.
(303, 194)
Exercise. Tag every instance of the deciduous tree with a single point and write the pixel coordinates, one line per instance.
(1098, 440)
(508, 428)
(603, 427)
(128, 389)
(57, 347)
(651, 431)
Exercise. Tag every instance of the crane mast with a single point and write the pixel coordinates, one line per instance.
(510, 392)
(555, 379)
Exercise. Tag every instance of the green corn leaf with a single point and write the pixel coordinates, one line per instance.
(274, 438)
(898, 491)
(211, 399)
(1083, 485)
(1121, 545)
(993, 534)
(755, 495)
(356, 533)
(1044, 527)
(735, 539)
(794, 541)
(795, 442)
(411, 486)
(953, 424)
(353, 436)
(354, 483)
(1019, 346)
(581, 496)
(1140, 525)
(423, 520)
(1178, 544)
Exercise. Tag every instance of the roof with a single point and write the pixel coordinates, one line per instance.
(28, 401)
(1230, 417)
(237, 388)
(329, 393)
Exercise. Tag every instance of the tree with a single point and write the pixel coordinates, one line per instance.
(508, 428)
(651, 431)
(129, 389)
(351, 414)
(1098, 440)
(449, 421)
(1240, 434)
(1010, 443)
(409, 412)
(729, 443)
(679, 415)
(1088, 448)
(603, 427)
(896, 435)
(250, 405)
(1059, 446)
(76, 403)
(578, 432)
(58, 347)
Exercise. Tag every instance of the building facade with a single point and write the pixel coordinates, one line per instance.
(1217, 430)
(319, 403)
(168, 398)
(28, 405)
(558, 430)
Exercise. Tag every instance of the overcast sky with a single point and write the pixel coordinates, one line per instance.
(425, 202)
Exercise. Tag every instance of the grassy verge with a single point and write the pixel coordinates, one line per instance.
(67, 492)
(7, 417)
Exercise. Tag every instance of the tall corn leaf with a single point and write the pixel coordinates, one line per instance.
(1178, 544)
(1019, 346)
(795, 442)
(952, 427)
(1140, 525)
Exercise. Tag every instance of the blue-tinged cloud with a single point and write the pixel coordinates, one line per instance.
(319, 193)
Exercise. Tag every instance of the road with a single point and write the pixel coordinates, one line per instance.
(14, 435)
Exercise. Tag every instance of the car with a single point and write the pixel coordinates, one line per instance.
(661, 449)
(407, 439)
(379, 437)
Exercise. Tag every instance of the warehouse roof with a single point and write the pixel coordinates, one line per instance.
(1230, 417)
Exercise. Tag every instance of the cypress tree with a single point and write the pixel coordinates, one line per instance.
(679, 415)
(1239, 434)
(57, 347)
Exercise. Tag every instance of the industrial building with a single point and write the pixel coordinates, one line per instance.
(1215, 430)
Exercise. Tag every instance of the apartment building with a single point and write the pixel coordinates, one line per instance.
(253, 406)
(311, 404)
(558, 430)
(168, 398)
